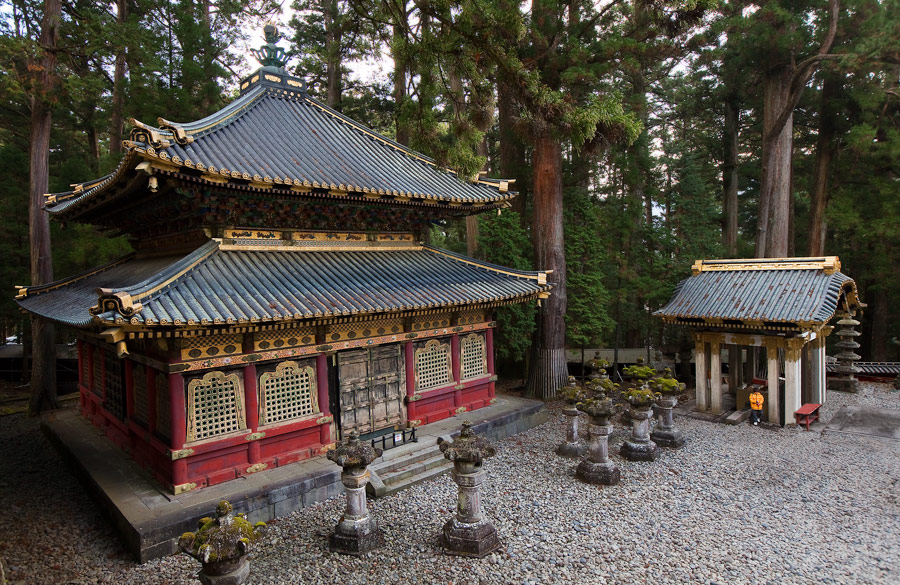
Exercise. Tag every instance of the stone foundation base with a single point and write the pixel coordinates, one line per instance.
(356, 539)
(844, 384)
(571, 450)
(598, 473)
(469, 540)
(673, 439)
(639, 451)
(234, 577)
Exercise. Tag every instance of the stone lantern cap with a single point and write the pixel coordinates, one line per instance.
(354, 454)
(221, 539)
(468, 447)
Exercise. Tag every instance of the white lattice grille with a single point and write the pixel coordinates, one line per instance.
(433, 365)
(163, 408)
(215, 406)
(287, 393)
(139, 390)
(474, 356)
(97, 382)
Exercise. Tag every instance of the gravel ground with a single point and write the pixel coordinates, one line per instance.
(738, 504)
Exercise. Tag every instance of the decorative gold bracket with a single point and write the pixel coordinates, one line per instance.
(324, 419)
(254, 436)
(179, 453)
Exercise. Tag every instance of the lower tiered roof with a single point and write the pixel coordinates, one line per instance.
(229, 283)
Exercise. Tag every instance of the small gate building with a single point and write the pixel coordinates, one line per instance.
(781, 304)
(280, 294)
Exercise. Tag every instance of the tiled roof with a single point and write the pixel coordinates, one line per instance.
(789, 293)
(278, 136)
(224, 286)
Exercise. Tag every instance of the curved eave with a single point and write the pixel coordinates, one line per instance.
(69, 202)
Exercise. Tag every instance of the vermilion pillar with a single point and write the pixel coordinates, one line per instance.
(410, 360)
(322, 389)
(454, 361)
(489, 348)
(178, 414)
(251, 400)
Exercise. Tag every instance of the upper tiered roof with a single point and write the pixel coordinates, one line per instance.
(276, 138)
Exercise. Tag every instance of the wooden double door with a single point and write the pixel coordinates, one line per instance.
(371, 383)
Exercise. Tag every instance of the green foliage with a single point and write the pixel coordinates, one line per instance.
(639, 372)
(586, 258)
(666, 384)
(504, 242)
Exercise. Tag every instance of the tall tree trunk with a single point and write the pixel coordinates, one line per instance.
(333, 54)
(472, 220)
(512, 150)
(775, 187)
(730, 176)
(825, 146)
(549, 372)
(43, 365)
(116, 122)
(399, 79)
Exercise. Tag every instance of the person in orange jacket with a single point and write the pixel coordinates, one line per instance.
(756, 404)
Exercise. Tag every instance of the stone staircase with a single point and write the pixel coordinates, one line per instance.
(405, 466)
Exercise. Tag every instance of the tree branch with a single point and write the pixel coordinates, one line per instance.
(804, 71)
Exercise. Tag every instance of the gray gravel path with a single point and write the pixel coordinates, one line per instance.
(739, 504)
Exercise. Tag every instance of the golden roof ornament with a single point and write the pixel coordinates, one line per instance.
(270, 54)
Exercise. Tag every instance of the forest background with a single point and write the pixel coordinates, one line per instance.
(642, 134)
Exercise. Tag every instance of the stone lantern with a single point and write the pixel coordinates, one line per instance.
(639, 447)
(357, 532)
(573, 446)
(596, 468)
(666, 434)
(221, 545)
(846, 381)
(468, 533)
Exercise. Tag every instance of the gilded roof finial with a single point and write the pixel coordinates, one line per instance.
(270, 54)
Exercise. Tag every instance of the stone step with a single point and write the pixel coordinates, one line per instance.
(738, 416)
(406, 473)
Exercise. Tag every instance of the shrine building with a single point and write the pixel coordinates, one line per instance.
(783, 305)
(279, 294)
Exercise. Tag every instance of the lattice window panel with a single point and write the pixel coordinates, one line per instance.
(139, 391)
(473, 354)
(85, 364)
(163, 406)
(97, 382)
(279, 338)
(115, 386)
(215, 406)
(433, 365)
(288, 393)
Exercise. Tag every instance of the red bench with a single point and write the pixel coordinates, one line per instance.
(806, 414)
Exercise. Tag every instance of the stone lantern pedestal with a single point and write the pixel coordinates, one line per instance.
(596, 468)
(469, 533)
(221, 545)
(666, 434)
(357, 532)
(572, 447)
(639, 447)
